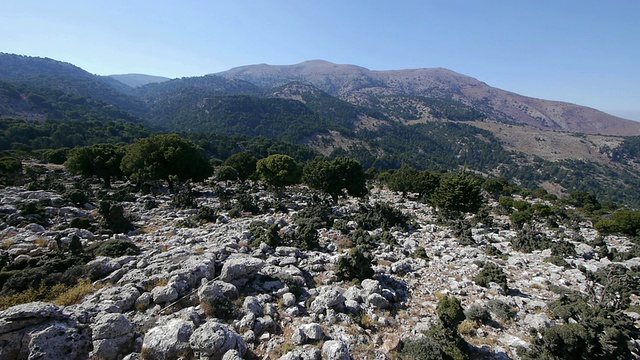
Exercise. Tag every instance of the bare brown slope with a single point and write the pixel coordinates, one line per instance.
(361, 86)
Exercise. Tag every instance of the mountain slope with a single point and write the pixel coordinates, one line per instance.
(365, 87)
(51, 74)
(135, 80)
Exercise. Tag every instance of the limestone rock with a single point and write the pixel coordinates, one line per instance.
(239, 269)
(112, 336)
(168, 341)
(335, 350)
(212, 340)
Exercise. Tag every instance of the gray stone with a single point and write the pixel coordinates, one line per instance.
(212, 340)
(217, 290)
(168, 341)
(537, 321)
(371, 286)
(288, 300)
(21, 316)
(377, 301)
(402, 267)
(164, 294)
(232, 354)
(335, 350)
(239, 269)
(112, 336)
(143, 301)
(313, 331)
(252, 305)
(328, 298)
(57, 339)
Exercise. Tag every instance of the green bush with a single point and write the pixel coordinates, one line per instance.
(492, 273)
(355, 265)
(529, 240)
(113, 217)
(478, 313)
(450, 312)
(453, 346)
(501, 310)
(380, 215)
(115, 248)
(420, 349)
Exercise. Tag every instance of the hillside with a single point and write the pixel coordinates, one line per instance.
(51, 74)
(162, 276)
(365, 87)
(428, 118)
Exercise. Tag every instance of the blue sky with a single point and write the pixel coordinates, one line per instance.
(580, 51)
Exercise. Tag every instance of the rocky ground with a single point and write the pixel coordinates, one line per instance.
(203, 291)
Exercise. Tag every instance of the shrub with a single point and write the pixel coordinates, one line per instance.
(501, 310)
(528, 240)
(452, 344)
(450, 312)
(80, 223)
(492, 273)
(114, 218)
(184, 200)
(115, 248)
(355, 265)
(478, 313)
(420, 253)
(221, 308)
(77, 197)
(206, 214)
(420, 349)
(519, 218)
(380, 215)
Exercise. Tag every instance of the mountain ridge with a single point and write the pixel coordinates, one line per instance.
(361, 86)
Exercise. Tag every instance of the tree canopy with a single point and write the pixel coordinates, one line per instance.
(333, 177)
(244, 163)
(101, 160)
(459, 192)
(279, 171)
(162, 157)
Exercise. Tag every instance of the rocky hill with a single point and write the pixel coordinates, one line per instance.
(365, 87)
(210, 274)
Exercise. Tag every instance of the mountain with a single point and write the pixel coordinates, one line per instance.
(427, 118)
(365, 87)
(46, 73)
(135, 80)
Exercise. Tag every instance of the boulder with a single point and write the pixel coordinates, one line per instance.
(328, 298)
(57, 339)
(217, 290)
(41, 329)
(240, 268)
(213, 340)
(164, 294)
(252, 305)
(377, 301)
(335, 350)
(168, 341)
(112, 336)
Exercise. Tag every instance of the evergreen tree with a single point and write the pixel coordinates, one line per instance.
(163, 157)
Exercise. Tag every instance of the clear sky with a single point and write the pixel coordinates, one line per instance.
(582, 51)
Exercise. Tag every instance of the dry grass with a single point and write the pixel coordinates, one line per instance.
(156, 283)
(75, 294)
(6, 244)
(41, 242)
(59, 294)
